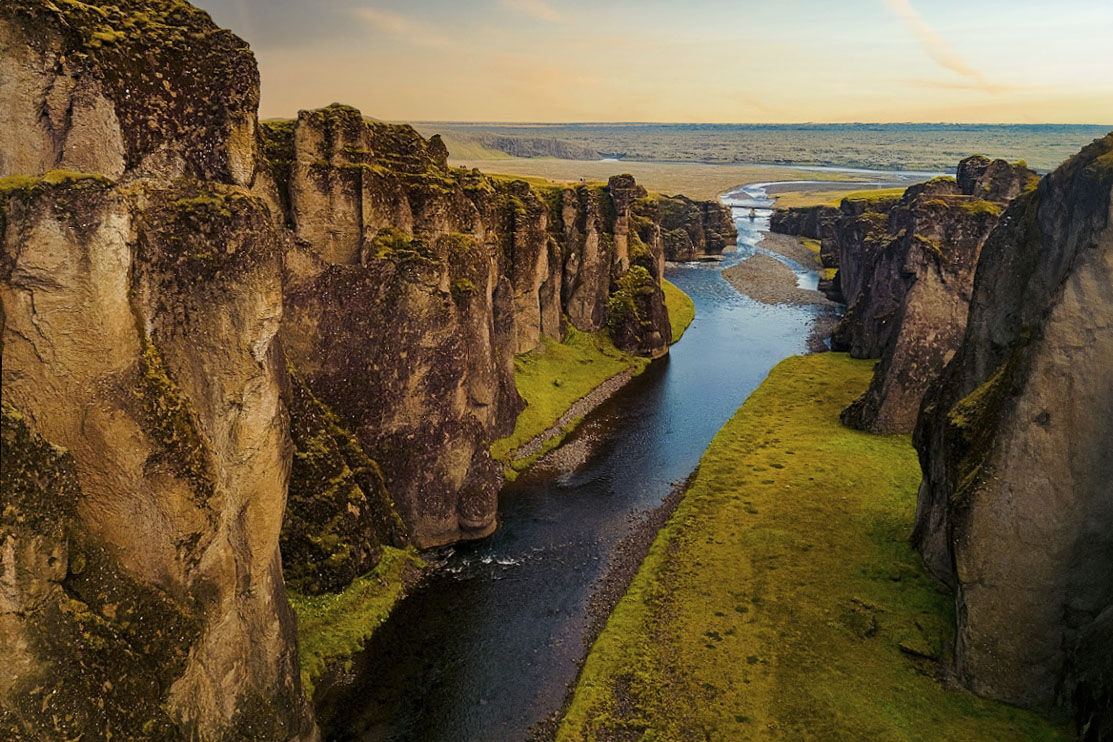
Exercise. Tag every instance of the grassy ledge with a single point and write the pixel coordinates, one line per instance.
(682, 310)
(552, 378)
(782, 600)
(333, 627)
(815, 246)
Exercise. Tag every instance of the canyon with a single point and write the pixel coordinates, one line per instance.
(986, 298)
(244, 361)
(321, 307)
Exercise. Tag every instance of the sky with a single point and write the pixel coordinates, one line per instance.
(713, 61)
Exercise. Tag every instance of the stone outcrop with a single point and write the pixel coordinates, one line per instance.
(686, 229)
(906, 270)
(1014, 438)
(138, 327)
(90, 88)
(411, 286)
(221, 340)
(139, 309)
(815, 222)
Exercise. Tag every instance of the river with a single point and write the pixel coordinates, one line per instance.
(490, 644)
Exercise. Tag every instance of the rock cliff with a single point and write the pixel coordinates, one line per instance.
(1014, 440)
(222, 340)
(816, 222)
(687, 229)
(906, 269)
(412, 285)
(140, 305)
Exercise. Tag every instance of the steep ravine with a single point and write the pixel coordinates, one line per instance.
(205, 313)
(489, 646)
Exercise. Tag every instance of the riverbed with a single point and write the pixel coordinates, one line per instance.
(488, 647)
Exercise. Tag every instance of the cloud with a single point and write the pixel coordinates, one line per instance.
(401, 27)
(538, 9)
(938, 49)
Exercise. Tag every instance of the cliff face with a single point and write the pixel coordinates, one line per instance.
(1014, 441)
(143, 594)
(219, 339)
(816, 222)
(411, 286)
(906, 268)
(138, 328)
(687, 229)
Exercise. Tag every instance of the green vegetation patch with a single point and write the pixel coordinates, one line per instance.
(334, 626)
(553, 376)
(876, 197)
(682, 310)
(782, 599)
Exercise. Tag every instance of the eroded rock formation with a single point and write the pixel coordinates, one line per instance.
(411, 286)
(906, 270)
(1014, 439)
(687, 229)
(816, 222)
(145, 599)
(219, 338)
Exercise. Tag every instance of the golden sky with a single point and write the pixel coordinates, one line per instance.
(741, 61)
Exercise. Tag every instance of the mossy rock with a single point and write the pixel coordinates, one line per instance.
(338, 512)
(106, 646)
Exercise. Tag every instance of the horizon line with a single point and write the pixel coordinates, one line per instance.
(740, 123)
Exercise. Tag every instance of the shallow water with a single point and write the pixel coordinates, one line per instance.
(489, 646)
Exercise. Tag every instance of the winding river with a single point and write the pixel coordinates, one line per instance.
(488, 647)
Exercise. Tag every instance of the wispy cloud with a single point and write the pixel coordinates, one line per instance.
(538, 9)
(936, 47)
(401, 27)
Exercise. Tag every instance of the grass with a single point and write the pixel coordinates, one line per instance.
(782, 599)
(694, 180)
(333, 627)
(827, 274)
(682, 310)
(871, 197)
(555, 375)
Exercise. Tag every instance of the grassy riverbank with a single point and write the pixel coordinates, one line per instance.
(682, 310)
(333, 627)
(552, 377)
(555, 376)
(782, 600)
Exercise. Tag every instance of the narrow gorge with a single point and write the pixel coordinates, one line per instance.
(310, 432)
(206, 313)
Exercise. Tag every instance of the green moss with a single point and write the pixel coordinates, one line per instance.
(980, 207)
(168, 418)
(782, 599)
(972, 428)
(873, 199)
(16, 183)
(102, 648)
(554, 376)
(624, 304)
(682, 310)
(396, 246)
(929, 244)
(278, 158)
(338, 511)
(333, 627)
